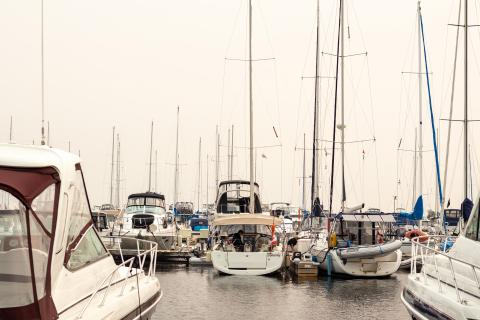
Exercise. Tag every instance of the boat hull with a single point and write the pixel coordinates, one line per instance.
(247, 263)
(381, 265)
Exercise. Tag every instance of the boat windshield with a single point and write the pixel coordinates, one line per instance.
(143, 208)
(26, 231)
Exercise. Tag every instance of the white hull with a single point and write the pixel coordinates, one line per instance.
(247, 263)
(425, 296)
(381, 265)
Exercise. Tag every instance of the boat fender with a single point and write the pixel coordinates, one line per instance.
(332, 240)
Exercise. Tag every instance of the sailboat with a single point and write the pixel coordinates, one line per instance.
(448, 285)
(245, 242)
(355, 244)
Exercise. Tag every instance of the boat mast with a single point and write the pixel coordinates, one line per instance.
(217, 155)
(206, 185)
(150, 163)
(199, 172)
(465, 120)
(414, 195)
(175, 182)
(113, 164)
(156, 170)
(228, 155)
(452, 95)
(118, 172)
(420, 114)
(314, 191)
(342, 106)
(231, 158)
(332, 173)
(252, 196)
(304, 175)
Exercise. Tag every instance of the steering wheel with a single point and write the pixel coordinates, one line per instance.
(262, 236)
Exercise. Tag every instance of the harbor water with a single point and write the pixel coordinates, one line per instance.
(201, 293)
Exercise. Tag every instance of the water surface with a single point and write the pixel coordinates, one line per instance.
(201, 293)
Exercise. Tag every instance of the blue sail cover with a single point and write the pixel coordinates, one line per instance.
(467, 206)
(406, 217)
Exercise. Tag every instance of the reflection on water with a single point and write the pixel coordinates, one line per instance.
(201, 293)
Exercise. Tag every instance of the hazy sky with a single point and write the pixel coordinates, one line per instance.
(125, 63)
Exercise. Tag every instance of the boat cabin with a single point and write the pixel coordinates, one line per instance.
(234, 197)
(367, 228)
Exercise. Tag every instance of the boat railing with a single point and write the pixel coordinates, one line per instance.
(426, 253)
(145, 261)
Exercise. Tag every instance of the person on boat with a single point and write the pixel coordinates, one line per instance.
(237, 240)
(292, 243)
(317, 208)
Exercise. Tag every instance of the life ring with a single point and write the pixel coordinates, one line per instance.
(422, 236)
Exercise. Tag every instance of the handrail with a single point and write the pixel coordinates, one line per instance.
(141, 256)
(424, 251)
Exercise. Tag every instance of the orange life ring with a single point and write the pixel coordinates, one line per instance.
(417, 234)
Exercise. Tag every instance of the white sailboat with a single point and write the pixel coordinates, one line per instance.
(245, 242)
(354, 248)
(52, 261)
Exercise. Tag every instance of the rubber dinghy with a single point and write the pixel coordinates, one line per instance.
(368, 251)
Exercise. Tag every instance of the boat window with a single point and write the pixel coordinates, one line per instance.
(15, 274)
(154, 202)
(80, 216)
(88, 250)
(473, 228)
(43, 206)
(136, 201)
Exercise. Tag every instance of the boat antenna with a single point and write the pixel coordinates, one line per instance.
(11, 129)
(252, 196)
(335, 107)
(150, 164)
(314, 191)
(43, 81)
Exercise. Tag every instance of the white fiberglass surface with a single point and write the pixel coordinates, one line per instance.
(16, 285)
(144, 209)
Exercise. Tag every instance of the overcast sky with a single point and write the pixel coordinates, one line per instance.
(125, 63)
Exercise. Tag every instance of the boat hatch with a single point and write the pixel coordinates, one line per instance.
(28, 212)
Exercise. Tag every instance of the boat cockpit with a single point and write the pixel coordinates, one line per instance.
(244, 238)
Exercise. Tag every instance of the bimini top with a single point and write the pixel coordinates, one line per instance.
(236, 182)
(252, 219)
(31, 156)
(147, 194)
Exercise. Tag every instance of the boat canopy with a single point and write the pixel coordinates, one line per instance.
(246, 219)
(146, 199)
(45, 228)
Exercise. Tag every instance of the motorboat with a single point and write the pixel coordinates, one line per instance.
(53, 264)
(448, 285)
(145, 217)
(261, 251)
(358, 247)
(233, 196)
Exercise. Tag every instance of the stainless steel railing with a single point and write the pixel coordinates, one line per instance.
(429, 255)
(131, 272)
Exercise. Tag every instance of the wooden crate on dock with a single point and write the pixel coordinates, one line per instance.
(304, 268)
